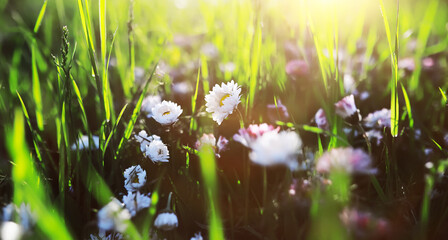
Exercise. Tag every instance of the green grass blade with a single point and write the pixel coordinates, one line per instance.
(40, 17)
(28, 184)
(408, 107)
(208, 169)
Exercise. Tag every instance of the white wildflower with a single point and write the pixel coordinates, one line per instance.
(197, 236)
(135, 178)
(348, 160)
(321, 119)
(346, 108)
(149, 102)
(166, 112)
(378, 119)
(11, 231)
(135, 202)
(222, 100)
(157, 151)
(113, 216)
(83, 143)
(274, 148)
(166, 221)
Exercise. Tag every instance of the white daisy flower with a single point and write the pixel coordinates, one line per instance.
(83, 143)
(166, 112)
(378, 119)
(144, 139)
(135, 178)
(11, 231)
(157, 151)
(149, 102)
(345, 159)
(222, 100)
(113, 216)
(166, 221)
(135, 202)
(274, 148)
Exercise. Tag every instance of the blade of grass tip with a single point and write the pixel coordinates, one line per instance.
(40, 17)
(408, 106)
(135, 113)
(208, 170)
(394, 96)
(28, 185)
(443, 95)
(37, 95)
(193, 102)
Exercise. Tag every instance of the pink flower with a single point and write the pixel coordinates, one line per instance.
(346, 108)
(345, 159)
(321, 119)
(247, 136)
(297, 68)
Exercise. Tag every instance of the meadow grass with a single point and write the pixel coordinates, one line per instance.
(83, 68)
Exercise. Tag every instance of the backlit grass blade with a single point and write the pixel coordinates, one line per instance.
(394, 105)
(40, 17)
(14, 70)
(103, 42)
(208, 170)
(37, 95)
(408, 107)
(29, 186)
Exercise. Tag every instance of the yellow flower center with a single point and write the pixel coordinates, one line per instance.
(135, 180)
(222, 99)
(166, 113)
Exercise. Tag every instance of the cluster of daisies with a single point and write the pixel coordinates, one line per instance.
(268, 146)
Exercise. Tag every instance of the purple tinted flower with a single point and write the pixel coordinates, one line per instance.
(222, 143)
(345, 159)
(321, 119)
(297, 68)
(375, 134)
(346, 108)
(247, 136)
(277, 112)
(378, 119)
